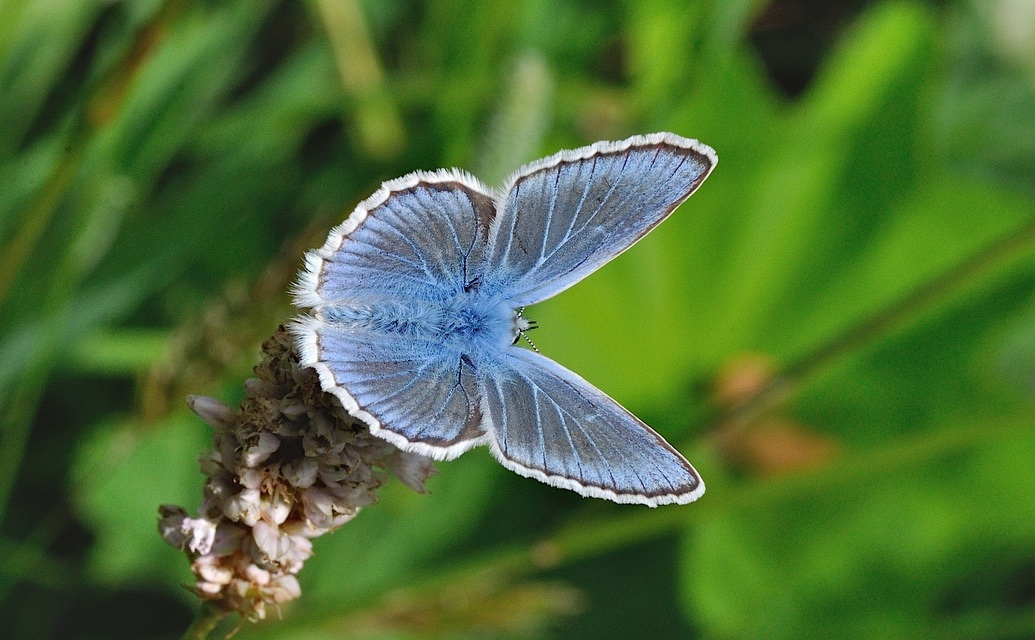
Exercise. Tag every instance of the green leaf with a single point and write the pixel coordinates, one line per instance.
(881, 554)
(387, 544)
(122, 473)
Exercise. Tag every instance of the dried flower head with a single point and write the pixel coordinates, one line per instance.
(287, 466)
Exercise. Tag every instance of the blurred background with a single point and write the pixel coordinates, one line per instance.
(838, 329)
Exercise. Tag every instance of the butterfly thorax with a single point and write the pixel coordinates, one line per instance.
(463, 320)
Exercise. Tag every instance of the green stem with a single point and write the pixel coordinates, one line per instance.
(97, 111)
(585, 539)
(882, 323)
(103, 104)
(588, 538)
(208, 618)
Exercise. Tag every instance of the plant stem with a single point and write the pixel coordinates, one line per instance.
(882, 323)
(209, 616)
(99, 109)
(102, 105)
(587, 538)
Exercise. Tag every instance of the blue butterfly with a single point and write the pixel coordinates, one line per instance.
(416, 304)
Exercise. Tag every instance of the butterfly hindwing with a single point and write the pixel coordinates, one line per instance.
(421, 399)
(417, 237)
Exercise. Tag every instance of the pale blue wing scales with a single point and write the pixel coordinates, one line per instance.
(416, 395)
(548, 423)
(421, 236)
(418, 238)
(563, 217)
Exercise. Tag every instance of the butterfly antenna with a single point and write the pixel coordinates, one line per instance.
(529, 325)
(530, 343)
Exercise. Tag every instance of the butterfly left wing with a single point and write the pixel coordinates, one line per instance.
(563, 217)
(547, 423)
(415, 241)
(420, 236)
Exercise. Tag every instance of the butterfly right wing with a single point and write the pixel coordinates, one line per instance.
(418, 396)
(547, 423)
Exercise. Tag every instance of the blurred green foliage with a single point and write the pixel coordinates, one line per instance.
(839, 329)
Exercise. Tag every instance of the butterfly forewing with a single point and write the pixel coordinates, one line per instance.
(550, 424)
(563, 217)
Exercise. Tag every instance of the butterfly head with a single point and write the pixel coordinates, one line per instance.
(521, 326)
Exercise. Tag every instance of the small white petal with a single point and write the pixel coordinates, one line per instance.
(206, 568)
(257, 576)
(200, 534)
(267, 539)
(170, 525)
(295, 550)
(412, 470)
(301, 473)
(212, 411)
(318, 506)
(258, 612)
(284, 588)
(258, 453)
(244, 507)
(255, 387)
(210, 588)
(220, 489)
(251, 478)
(293, 409)
(278, 507)
(211, 463)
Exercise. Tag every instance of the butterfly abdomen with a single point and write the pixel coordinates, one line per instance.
(462, 321)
